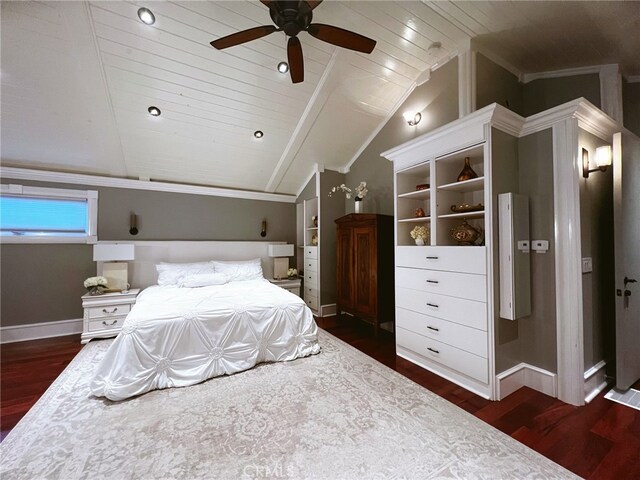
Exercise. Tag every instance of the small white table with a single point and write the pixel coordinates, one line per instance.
(290, 284)
(105, 314)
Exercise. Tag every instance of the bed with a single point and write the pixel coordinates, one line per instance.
(180, 335)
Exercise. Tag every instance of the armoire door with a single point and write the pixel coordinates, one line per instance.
(344, 281)
(365, 270)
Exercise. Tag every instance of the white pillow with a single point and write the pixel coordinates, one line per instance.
(172, 274)
(240, 270)
(204, 280)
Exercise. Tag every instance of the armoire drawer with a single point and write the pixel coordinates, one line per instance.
(452, 357)
(468, 339)
(310, 252)
(462, 285)
(310, 264)
(459, 310)
(453, 259)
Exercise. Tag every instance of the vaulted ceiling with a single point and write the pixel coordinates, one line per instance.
(77, 79)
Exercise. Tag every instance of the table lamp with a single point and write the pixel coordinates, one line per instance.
(114, 266)
(280, 254)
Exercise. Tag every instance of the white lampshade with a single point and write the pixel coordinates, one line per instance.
(603, 156)
(109, 252)
(280, 250)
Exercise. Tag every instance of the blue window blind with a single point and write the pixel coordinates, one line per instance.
(43, 216)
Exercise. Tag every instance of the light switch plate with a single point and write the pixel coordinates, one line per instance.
(587, 265)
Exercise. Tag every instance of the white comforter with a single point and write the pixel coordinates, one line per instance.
(174, 337)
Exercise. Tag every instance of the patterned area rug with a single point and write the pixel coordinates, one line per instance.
(338, 414)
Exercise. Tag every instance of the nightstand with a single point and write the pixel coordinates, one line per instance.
(290, 284)
(105, 314)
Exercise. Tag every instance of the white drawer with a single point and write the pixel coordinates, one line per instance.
(310, 252)
(469, 339)
(459, 310)
(310, 278)
(310, 264)
(453, 259)
(109, 311)
(310, 291)
(461, 285)
(452, 357)
(311, 301)
(106, 324)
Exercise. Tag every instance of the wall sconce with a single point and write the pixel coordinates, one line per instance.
(263, 230)
(603, 160)
(133, 224)
(412, 118)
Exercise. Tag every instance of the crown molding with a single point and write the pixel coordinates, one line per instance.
(567, 72)
(100, 181)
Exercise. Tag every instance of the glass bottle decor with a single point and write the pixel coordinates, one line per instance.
(467, 172)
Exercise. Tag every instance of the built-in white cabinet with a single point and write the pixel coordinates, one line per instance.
(444, 288)
(308, 237)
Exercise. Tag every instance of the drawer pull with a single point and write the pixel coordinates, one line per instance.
(110, 324)
(104, 310)
(433, 305)
(432, 258)
(433, 328)
(433, 281)
(433, 350)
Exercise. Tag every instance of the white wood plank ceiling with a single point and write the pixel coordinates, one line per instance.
(77, 79)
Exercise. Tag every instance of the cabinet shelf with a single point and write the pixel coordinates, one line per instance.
(472, 185)
(417, 194)
(478, 214)
(415, 220)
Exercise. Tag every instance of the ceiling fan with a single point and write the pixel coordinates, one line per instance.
(293, 17)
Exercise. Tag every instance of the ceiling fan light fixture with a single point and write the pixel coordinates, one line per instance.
(283, 67)
(258, 134)
(146, 16)
(154, 111)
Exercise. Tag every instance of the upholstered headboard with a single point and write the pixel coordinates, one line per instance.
(142, 272)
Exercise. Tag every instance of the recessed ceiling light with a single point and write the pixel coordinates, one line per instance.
(146, 16)
(155, 111)
(258, 134)
(283, 67)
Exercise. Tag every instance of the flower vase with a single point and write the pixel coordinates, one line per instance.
(359, 208)
(419, 241)
(96, 291)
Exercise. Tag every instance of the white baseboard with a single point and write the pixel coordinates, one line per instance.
(594, 381)
(327, 310)
(35, 331)
(525, 375)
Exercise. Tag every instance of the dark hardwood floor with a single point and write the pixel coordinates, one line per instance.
(598, 441)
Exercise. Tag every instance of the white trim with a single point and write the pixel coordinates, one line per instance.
(569, 314)
(112, 182)
(501, 62)
(632, 78)
(466, 82)
(316, 169)
(328, 310)
(567, 72)
(35, 331)
(611, 91)
(595, 381)
(525, 375)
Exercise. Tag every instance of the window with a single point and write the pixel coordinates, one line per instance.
(47, 215)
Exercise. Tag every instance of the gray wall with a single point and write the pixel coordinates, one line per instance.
(495, 84)
(538, 331)
(309, 191)
(545, 93)
(42, 283)
(631, 106)
(437, 100)
(596, 228)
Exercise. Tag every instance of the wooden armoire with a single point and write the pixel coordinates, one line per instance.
(365, 276)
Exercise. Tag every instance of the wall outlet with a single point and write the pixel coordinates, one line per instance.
(540, 246)
(587, 265)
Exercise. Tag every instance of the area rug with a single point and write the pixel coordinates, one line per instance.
(336, 415)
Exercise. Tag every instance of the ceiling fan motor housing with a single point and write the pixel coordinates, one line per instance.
(291, 17)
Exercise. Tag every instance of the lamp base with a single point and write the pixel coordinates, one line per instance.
(280, 267)
(117, 275)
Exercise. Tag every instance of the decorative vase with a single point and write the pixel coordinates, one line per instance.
(467, 172)
(359, 208)
(419, 241)
(465, 234)
(96, 290)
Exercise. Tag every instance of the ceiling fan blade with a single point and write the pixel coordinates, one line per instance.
(243, 37)
(296, 62)
(313, 3)
(341, 37)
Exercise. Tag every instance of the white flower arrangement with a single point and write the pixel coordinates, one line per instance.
(92, 282)
(359, 192)
(420, 231)
(292, 272)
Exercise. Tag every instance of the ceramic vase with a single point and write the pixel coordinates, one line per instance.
(359, 208)
(419, 241)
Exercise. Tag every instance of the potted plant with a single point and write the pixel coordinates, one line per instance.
(95, 285)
